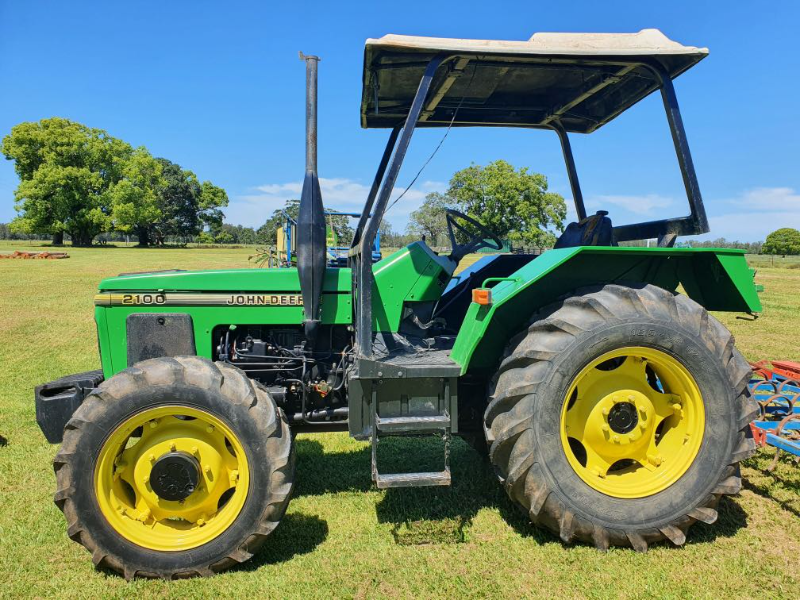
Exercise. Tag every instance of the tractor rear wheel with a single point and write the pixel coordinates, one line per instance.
(174, 468)
(620, 415)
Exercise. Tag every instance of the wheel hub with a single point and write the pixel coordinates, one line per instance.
(175, 476)
(623, 417)
(171, 478)
(632, 422)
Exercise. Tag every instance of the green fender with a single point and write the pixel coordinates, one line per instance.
(717, 279)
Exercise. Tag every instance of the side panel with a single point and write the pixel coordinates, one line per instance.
(718, 279)
(336, 308)
(210, 298)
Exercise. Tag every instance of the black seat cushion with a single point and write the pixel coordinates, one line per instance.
(596, 230)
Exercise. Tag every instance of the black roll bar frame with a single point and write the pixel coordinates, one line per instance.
(665, 230)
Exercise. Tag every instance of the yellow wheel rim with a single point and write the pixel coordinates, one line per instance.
(126, 494)
(632, 422)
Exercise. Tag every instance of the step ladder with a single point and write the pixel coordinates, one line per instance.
(410, 426)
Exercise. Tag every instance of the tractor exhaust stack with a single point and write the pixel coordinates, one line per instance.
(311, 220)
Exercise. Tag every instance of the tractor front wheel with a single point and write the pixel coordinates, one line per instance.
(620, 415)
(175, 467)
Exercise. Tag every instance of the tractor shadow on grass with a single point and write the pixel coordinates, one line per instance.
(444, 515)
(431, 515)
(297, 534)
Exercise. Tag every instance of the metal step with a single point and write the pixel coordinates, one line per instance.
(396, 480)
(412, 424)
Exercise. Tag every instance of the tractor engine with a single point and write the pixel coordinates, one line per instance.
(308, 385)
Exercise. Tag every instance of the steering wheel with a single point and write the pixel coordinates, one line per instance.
(475, 243)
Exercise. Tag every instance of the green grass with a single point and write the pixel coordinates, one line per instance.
(341, 537)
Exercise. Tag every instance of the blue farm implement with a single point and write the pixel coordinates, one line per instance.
(776, 388)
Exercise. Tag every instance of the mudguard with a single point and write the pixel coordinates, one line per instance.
(717, 279)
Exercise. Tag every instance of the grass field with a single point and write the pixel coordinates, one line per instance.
(341, 537)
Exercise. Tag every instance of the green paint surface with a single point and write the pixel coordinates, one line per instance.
(718, 279)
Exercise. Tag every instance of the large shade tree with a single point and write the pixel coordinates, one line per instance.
(513, 203)
(80, 181)
(429, 220)
(66, 172)
(782, 241)
(185, 206)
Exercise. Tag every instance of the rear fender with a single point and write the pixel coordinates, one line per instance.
(717, 279)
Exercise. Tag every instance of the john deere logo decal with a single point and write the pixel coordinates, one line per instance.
(264, 300)
(179, 299)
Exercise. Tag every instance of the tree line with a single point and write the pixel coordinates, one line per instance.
(80, 181)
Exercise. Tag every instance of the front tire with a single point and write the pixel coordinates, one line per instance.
(620, 415)
(176, 467)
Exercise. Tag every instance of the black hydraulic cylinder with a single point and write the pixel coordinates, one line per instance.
(311, 250)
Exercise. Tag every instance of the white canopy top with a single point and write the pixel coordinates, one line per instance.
(581, 80)
(647, 42)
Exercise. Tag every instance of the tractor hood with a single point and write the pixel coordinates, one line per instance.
(229, 280)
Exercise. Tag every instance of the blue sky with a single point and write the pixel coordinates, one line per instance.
(218, 88)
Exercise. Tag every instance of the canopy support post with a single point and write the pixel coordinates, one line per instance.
(696, 222)
(572, 173)
(364, 277)
(376, 183)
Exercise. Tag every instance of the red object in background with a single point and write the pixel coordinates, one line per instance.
(759, 435)
(785, 368)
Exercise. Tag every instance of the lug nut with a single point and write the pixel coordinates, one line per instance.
(152, 458)
(153, 424)
(210, 429)
(172, 446)
(616, 439)
(605, 412)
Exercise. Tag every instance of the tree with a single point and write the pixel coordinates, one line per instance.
(135, 204)
(184, 206)
(235, 234)
(512, 203)
(782, 241)
(178, 201)
(66, 170)
(268, 232)
(429, 220)
(340, 224)
(212, 200)
(80, 181)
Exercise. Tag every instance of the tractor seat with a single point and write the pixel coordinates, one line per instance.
(596, 230)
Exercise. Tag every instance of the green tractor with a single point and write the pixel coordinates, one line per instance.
(613, 408)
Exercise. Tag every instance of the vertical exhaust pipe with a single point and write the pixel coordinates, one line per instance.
(311, 250)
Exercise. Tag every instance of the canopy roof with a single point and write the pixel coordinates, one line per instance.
(580, 80)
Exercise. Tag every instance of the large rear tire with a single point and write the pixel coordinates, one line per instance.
(176, 467)
(620, 415)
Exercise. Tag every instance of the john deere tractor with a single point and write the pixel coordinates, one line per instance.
(611, 404)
